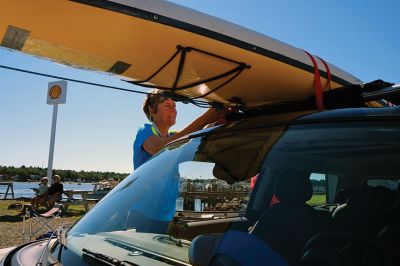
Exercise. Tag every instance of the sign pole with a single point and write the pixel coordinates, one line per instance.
(52, 141)
(56, 94)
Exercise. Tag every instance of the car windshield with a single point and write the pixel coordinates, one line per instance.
(180, 181)
(192, 185)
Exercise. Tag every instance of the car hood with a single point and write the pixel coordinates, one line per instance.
(4, 252)
(138, 248)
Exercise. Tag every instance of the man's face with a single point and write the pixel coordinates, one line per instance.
(166, 113)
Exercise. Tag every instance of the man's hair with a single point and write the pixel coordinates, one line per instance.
(154, 98)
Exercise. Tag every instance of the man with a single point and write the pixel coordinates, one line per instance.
(161, 112)
(54, 192)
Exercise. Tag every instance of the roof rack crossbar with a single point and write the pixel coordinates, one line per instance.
(388, 92)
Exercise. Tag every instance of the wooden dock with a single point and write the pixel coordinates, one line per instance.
(9, 189)
(211, 198)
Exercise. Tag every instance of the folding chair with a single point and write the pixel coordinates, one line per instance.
(38, 222)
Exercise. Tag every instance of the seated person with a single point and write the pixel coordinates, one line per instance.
(41, 193)
(53, 193)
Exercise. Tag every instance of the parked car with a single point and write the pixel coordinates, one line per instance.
(327, 193)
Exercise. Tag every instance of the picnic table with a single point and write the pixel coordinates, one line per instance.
(9, 186)
(85, 198)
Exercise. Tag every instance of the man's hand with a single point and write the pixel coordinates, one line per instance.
(216, 117)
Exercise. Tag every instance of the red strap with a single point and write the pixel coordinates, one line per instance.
(328, 71)
(317, 84)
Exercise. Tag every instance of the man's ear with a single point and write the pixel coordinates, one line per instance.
(152, 112)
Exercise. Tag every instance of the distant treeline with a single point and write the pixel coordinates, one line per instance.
(27, 173)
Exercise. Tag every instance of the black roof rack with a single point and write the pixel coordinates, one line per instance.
(351, 96)
(391, 94)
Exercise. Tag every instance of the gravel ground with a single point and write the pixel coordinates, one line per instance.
(12, 225)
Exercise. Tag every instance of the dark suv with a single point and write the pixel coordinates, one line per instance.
(294, 187)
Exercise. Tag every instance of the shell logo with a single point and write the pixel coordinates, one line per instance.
(55, 92)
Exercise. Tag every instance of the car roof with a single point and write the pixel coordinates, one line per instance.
(255, 121)
(354, 113)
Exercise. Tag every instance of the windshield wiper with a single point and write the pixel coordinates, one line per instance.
(62, 236)
(96, 258)
(44, 255)
(60, 233)
(62, 240)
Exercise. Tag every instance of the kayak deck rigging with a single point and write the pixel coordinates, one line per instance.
(183, 53)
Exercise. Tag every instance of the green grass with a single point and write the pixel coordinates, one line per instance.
(72, 211)
(75, 210)
(317, 199)
(4, 206)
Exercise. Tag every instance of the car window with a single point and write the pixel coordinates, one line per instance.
(318, 182)
(337, 157)
(204, 179)
(201, 191)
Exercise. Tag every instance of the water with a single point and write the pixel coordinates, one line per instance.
(197, 205)
(179, 204)
(24, 189)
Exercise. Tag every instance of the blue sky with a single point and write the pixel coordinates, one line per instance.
(96, 127)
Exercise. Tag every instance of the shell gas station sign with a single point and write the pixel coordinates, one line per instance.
(57, 92)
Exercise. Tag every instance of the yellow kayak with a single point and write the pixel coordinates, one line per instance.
(155, 43)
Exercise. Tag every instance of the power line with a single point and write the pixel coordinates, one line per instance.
(202, 104)
(69, 79)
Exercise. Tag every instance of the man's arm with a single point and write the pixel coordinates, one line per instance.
(59, 191)
(154, 144)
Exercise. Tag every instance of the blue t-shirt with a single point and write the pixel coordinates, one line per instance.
(158, 202)
(140, 155)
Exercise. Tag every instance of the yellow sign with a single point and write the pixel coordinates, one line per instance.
(55, 92)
